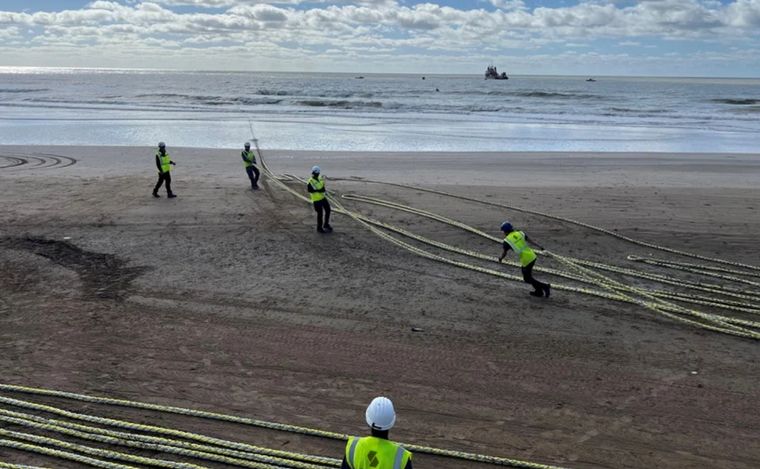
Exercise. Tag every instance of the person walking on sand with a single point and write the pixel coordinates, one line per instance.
(316, 188)
(376, 451)
(249, 161)
(164, 165)
(518, 241)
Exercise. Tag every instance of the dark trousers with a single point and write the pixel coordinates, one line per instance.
(167, 176)
(527, 272)
(253, 175)
(320, 207)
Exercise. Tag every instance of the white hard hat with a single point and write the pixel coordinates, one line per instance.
(161, 144)
(315, 169)
(380, 414)
(247, 144)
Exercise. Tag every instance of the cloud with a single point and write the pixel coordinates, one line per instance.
(374, 29)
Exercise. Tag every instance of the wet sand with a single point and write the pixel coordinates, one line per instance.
(228, 300)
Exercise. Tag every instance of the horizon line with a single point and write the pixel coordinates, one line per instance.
(181, 70)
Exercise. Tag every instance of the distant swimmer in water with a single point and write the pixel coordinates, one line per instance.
(437, 90)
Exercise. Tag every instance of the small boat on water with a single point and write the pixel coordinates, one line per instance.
(493, 74)
(590, 79)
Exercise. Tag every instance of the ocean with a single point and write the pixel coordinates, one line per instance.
(319, 111)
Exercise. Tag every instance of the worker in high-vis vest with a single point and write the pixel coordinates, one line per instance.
(249, 161)
(164, 165)
(517, 241)
(316, 188)
(375, 451)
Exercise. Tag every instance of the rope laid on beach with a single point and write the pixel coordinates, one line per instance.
(598, 265)
(716, 323)
(244, 455)
(220, 447)
(4, 465)
(267, 455)
(688, 268)
(563, 219)
(62, 454)
(164, 445)
(654, 302)
(707, 301)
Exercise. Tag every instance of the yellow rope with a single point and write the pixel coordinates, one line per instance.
(330, 462)
(4, 465)
(160, 430)
(734, 326)
(566, 220)
(244, 455)
(62, 454)
(209, 453)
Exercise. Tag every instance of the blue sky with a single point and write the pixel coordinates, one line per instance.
(584, 37)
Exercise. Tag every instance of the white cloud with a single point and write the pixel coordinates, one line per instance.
(371, 29)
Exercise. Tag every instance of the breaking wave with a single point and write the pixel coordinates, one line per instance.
(23, 90)
(737, 102)
(341, 104)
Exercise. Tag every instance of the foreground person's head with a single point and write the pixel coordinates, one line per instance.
(380, 416)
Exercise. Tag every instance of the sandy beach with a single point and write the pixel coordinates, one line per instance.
(228, 300)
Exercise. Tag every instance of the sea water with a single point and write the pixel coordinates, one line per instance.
(313, 111)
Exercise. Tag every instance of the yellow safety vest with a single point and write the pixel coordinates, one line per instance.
(317, 184)
(375, 453)
(516, 241)
(165, 162)
(250, 158)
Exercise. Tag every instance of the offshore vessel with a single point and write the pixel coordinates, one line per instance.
(493, 74)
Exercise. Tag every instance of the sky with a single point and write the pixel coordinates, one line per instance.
(718, 38)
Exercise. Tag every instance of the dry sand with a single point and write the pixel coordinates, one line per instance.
(228, 300)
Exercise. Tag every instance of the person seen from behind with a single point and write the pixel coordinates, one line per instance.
(376, 451)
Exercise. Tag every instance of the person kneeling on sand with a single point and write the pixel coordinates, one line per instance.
(518, 241)
(249, 161)
(375, 451)
(316, 188)
(164, 165)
